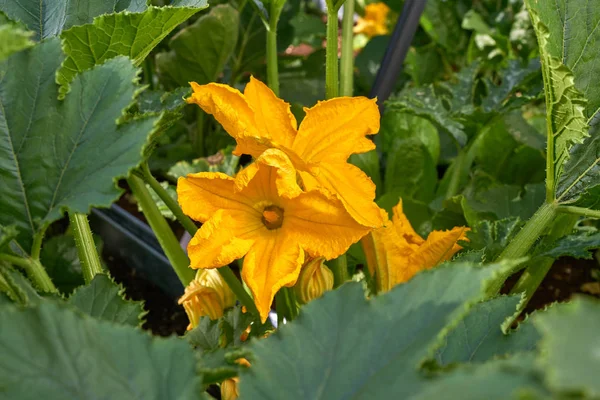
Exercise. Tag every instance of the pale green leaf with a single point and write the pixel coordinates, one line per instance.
(56, 353)
(200, 51)
(323, 354)
(57, 155)
(104, 299)
(223, 161)
(125, 33)
(13, 37)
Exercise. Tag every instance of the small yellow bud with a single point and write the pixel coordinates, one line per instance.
(314, 280)
(229, 389)
(208, 295)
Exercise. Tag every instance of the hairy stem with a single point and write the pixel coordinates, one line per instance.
(331, 57)
(339, 267)
(35, 271)
(347, 62)
(579, 211)
(164, 234)
(86, 248)
(272, 67)
(36, 247)
(183, 219)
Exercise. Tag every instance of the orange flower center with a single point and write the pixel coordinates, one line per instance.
(272, 217)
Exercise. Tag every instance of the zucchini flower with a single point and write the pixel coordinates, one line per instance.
(375, 21)
(314, 280)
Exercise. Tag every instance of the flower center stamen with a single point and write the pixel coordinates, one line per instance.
(272, 217)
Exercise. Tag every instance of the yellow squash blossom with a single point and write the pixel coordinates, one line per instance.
(207, 294)
(315, 279)
(265, 216)
(396, 252)
(374, 23)
(331, 131)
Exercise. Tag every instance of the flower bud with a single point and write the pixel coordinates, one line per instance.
(314, 280)
(207, 294)
(229, 389)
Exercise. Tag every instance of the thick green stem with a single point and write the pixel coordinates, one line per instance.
(339, 267)
(164, 234)
(579, 211)
(183, 219)
(533, 276)
(35, 271)
(347, 62)
(331, 57)
(272, 67)
(36, 247)
(86, 248)
(236, 287)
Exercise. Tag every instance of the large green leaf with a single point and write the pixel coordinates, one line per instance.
(200, 51)
(57, 155)
(579, 183)
(104, 299)
(129, 34)
(323, 354)
(53, 352)
(61, 260)
(571, 346)
(577, 245)
(492, 236)
(48, 18)
(478, 337)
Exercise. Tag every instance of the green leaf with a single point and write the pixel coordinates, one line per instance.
(478, 337)
(442, 24)
(130, 34)
(577, 245)
(566, 105)
(317, 355)
(223, 161)
(513, 77)
(162, 207)
(59, 155)
(369, 163)
(200, 51)
(398, 125)
(60, 259)
(13, 37)
(104, 299)
(369, 59)
(57, 353)
(579, 184)
(48, 18)
(571, 345)
(492, 237)
(206, 336)
(7, 234)
(424, 64)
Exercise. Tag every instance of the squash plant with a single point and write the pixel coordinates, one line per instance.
(385, 279)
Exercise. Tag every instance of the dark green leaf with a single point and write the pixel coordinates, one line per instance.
(57, 353)
(369, 59)
(369, 163)
(443, 25)
(478, 337)
(512, 77)
(424, 64)
(200, 51)
(7, 234)
(316, 356)
(398, 125)
(577, 245)
(206, 336)
(104, 299)
(59, 155)
(492, 237)
(579, 184)
(60, 258)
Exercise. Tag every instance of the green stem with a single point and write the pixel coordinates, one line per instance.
(535, 273)
(163, 232)
(347, 62)
(339, 267)
(36, 247)
(281, 306)
(86, 248)
(272, 68)
(236, 287)
(579, 211)
(533, 229)
(331, 56)
(183, 219)
(34, 270)
(198, 134)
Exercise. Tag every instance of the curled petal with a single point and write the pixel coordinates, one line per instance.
(320, 224)
(274, 261)
(201, 195)
(403, 226)
(439, 247)
(334, 129)
(225, 237)
(271, 114)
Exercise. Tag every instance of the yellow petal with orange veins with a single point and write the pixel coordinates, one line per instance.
(274, 261)
(231, 109)
(355, 189)
(224, 238)
(201, 195)
(440, 246)
(334, 129)
(320, 224)
(286, 177)
(271, 114)
(403, 226)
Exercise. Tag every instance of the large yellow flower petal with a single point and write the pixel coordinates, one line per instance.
(334, 129)
(271, 114)
(274, 261)
(320, 224)
(272, 160)
(354, 188)
(403, 226)
(225, 237)
(201, 195)
(231, 109)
